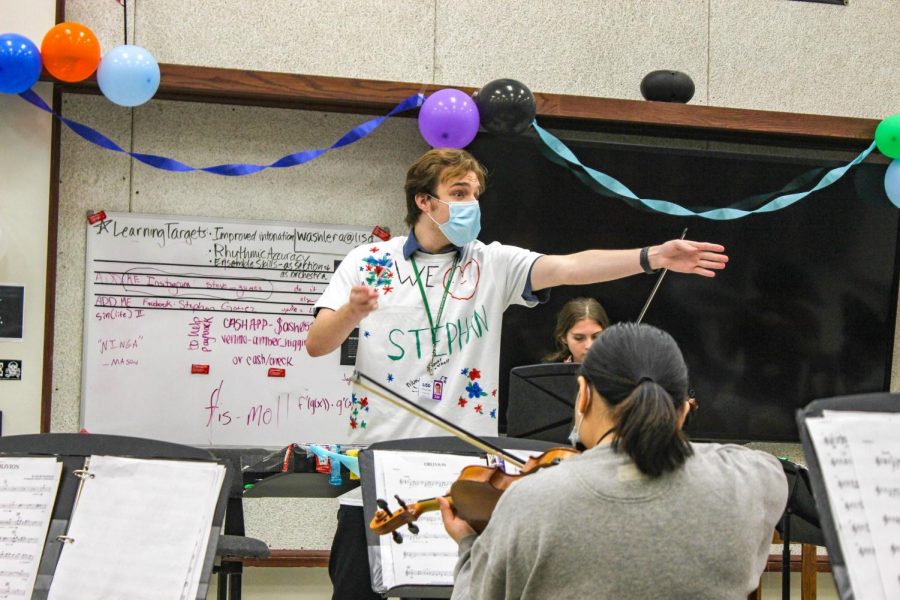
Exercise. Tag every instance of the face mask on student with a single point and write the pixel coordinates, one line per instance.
(575, 436)
(464, 223)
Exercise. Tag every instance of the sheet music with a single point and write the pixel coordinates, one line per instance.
(27, 492)
(429, 557)
(875, 448)
(139, 530)
(859, 455)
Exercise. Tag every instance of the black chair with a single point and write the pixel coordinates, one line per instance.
(71, 449)
(234, 546)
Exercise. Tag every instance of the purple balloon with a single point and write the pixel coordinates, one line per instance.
(448, 119)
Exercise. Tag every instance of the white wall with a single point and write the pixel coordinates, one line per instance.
(24, 205)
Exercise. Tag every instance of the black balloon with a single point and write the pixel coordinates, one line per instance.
(505, 107)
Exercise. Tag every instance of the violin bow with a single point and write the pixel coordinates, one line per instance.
(423, 413)
(656, 286)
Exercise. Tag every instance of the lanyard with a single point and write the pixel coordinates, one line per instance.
(431, 321)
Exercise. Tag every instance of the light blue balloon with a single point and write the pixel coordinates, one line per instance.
(20, 63)
(128, 75)
(892, 182)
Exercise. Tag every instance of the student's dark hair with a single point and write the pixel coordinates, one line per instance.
(571, 313)
(640, 373)
(433, 168)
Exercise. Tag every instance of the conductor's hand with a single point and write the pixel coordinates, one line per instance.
(685, 256)
(456, 527)
(363, 300)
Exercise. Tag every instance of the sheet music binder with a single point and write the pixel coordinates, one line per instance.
(121, 501)
(878, 402)
(71, 449)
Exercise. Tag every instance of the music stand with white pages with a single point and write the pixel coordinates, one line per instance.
(133, 518)
(417, 469)
(852, 447)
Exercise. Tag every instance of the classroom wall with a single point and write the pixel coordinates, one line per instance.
(767, 54)
(24, 209)
(773, 54)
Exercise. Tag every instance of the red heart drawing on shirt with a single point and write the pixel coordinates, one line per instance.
(465, 280)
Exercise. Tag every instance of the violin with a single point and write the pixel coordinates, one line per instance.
(478, 488)
(473, 495)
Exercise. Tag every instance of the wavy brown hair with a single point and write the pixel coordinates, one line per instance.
(433, 168)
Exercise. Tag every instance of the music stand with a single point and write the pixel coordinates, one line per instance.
(877, 402)
(541, 401)
(449, 445)
(800, 521)
(71, 449)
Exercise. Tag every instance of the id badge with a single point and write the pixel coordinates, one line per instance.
(431, 389)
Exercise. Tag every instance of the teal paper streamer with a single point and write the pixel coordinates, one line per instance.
(671, 208)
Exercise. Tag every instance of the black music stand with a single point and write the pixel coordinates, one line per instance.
(449, 445)
(541, 401)
(71, 449)
(800, 522)
(877, 402)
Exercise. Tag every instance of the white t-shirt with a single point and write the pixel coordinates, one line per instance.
(395, 341)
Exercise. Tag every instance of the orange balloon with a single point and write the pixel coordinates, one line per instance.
(70, 52)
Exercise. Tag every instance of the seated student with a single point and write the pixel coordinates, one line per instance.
(578, 324)
(642, 513)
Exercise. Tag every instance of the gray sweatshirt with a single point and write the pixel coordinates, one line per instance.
(594, 527)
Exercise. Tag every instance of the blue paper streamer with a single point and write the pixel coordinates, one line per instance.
(671, 208)
(232, 170)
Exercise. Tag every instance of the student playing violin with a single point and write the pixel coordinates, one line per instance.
(643, 512)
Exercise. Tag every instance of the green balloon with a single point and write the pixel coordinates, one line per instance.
(887, 136)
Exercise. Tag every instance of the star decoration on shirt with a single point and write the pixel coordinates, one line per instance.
(390, 377)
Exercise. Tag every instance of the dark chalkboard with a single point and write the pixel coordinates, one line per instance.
(805, 309)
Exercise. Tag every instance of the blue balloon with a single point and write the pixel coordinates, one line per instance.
(892, 182)
(20, 63)
(128, 75)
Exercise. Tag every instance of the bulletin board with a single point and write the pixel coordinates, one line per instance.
(195, 330)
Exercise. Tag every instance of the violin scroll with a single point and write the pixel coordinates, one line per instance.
(386, 521)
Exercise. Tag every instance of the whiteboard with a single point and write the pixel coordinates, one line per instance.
(194, 331)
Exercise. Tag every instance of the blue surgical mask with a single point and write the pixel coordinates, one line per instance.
(464, 223)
